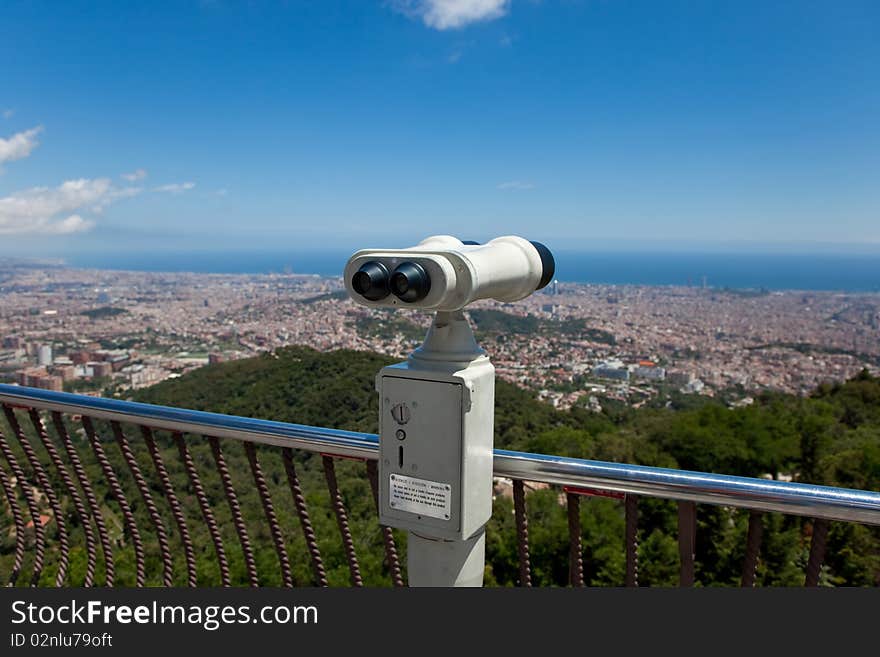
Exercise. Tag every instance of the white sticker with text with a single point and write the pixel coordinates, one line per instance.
(420, 496)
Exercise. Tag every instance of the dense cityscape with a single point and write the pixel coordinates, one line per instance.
(106, 332)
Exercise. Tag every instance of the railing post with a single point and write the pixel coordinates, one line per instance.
(687, 531)
(753, 549)
(817, 552)
(631, 505)
(522, 533)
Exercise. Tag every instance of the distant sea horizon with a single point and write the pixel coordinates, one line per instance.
(754, 271)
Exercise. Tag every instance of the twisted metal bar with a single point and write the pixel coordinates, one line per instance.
(174, 504)
(152, 509)
(753, 549)
(79, 471)
(116, 489)
(18, 559)
(205, 507)
(342, 520)
(55, 457)
(387, 535)
(522, 533)
(575, 554)
(271, 518)
(817, 552)
(302, 511)
(235, 509)
(44, 482)
(631, 507)
(33, 508)
(687, 532)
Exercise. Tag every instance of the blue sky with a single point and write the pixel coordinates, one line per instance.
(592, 124)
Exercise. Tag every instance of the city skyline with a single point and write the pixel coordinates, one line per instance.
(218, 125)
(88, 329)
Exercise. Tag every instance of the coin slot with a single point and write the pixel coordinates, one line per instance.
(400, 456)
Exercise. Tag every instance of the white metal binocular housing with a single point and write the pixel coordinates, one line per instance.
(436, 410)
(445, 274)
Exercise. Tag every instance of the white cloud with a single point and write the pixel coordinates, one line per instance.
(73, 224)
(516, 184)
(115, 194)
(452, 14)
(38, 210)
(7, 114)
(19, 145)
(175, 188)
(134, 176)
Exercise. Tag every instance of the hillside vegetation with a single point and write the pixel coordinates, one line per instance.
(833, 437)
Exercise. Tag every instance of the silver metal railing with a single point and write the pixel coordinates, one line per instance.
(824, 502)
(43, 410)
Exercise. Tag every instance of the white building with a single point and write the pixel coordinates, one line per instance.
(44, 358)
(612, 369)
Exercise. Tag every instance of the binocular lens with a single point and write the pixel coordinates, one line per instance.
(410, 282)
(371, 281)
(548, 264)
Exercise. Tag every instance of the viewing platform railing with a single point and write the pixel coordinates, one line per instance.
(44, 467)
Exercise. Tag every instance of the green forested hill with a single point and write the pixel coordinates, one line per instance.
(832, 437)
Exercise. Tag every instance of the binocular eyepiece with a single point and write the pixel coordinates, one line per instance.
(443, 273)
(409, 282)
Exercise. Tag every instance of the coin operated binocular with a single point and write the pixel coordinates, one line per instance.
(436, 410)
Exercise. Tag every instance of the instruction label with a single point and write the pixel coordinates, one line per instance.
(420, 496)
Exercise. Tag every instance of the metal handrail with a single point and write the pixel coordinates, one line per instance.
(826, 502)
(281, 434)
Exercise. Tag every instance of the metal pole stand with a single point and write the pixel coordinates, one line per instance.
(438, 562)
(436, 425)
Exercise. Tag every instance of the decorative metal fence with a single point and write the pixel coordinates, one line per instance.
(53, 435)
